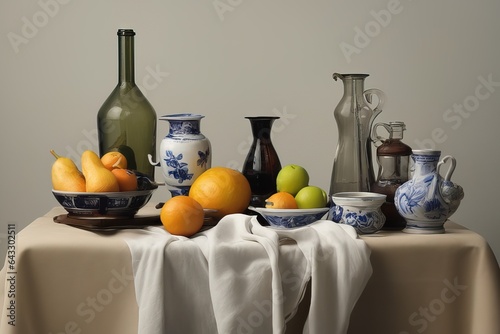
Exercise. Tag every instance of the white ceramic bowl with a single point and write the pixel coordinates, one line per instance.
(361, 210)
(288, 218)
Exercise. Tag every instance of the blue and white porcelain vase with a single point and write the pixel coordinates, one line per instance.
(427, 200)
(185, 153)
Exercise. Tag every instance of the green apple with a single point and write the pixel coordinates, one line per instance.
(291, 179)
(311, 197)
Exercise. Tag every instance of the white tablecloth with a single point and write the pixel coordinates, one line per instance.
(240, 277)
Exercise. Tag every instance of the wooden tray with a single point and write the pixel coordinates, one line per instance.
(108, 223)
(146, 217)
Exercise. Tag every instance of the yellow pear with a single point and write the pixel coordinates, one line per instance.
(66, 176)
(98, 178)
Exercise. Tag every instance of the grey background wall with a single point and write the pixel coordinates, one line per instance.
(438, 63)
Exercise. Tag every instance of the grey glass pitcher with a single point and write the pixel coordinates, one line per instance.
(354, 114)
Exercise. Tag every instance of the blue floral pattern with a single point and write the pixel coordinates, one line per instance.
(337, 212)
(293, 221)
(184, 127)
(203, 160)
(363, 221)
(180, 170)
(100, 204)
(427, 200)
(423, 201)
(411, 198)
(185, 153)
(180, 191)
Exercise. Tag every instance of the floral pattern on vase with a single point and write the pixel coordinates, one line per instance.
(427, 200)
(180, 170)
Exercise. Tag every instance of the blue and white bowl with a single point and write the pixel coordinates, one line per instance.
(289, 218)
(361, 210)
(104, 204)
(107, 204)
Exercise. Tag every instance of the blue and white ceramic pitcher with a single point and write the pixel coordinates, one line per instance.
(427, 200)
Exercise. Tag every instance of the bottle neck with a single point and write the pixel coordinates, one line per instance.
(354, 87)
(184, 127)
(261, 127)
(397, 134)
(126, 70)
(397, 129)
(425, 164)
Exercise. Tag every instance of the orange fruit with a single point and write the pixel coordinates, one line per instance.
(182, 215)
(112, 160)
(281, 200)
(223, 189)
(127, 180)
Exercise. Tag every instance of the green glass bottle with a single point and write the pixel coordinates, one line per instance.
(126, 121)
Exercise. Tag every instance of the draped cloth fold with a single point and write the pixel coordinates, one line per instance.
(241, 277)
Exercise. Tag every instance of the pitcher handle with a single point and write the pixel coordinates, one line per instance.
(368, 95)
(376, 139)
(150, 158)
(450, 171)
(447, 177)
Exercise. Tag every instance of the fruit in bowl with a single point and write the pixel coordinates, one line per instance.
(292, 178)
(296, 203)
(66, 175)
(311, 197)
(281, 200)
(294, 191)
(107, 204)
(98, 178)
(106, 174)
(103, 188)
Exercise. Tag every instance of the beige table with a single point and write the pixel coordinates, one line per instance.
(69, 280)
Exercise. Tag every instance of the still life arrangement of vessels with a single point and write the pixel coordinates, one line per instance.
(393, 200)
(421, 204)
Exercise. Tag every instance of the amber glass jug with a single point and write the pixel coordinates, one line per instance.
(393, 158)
